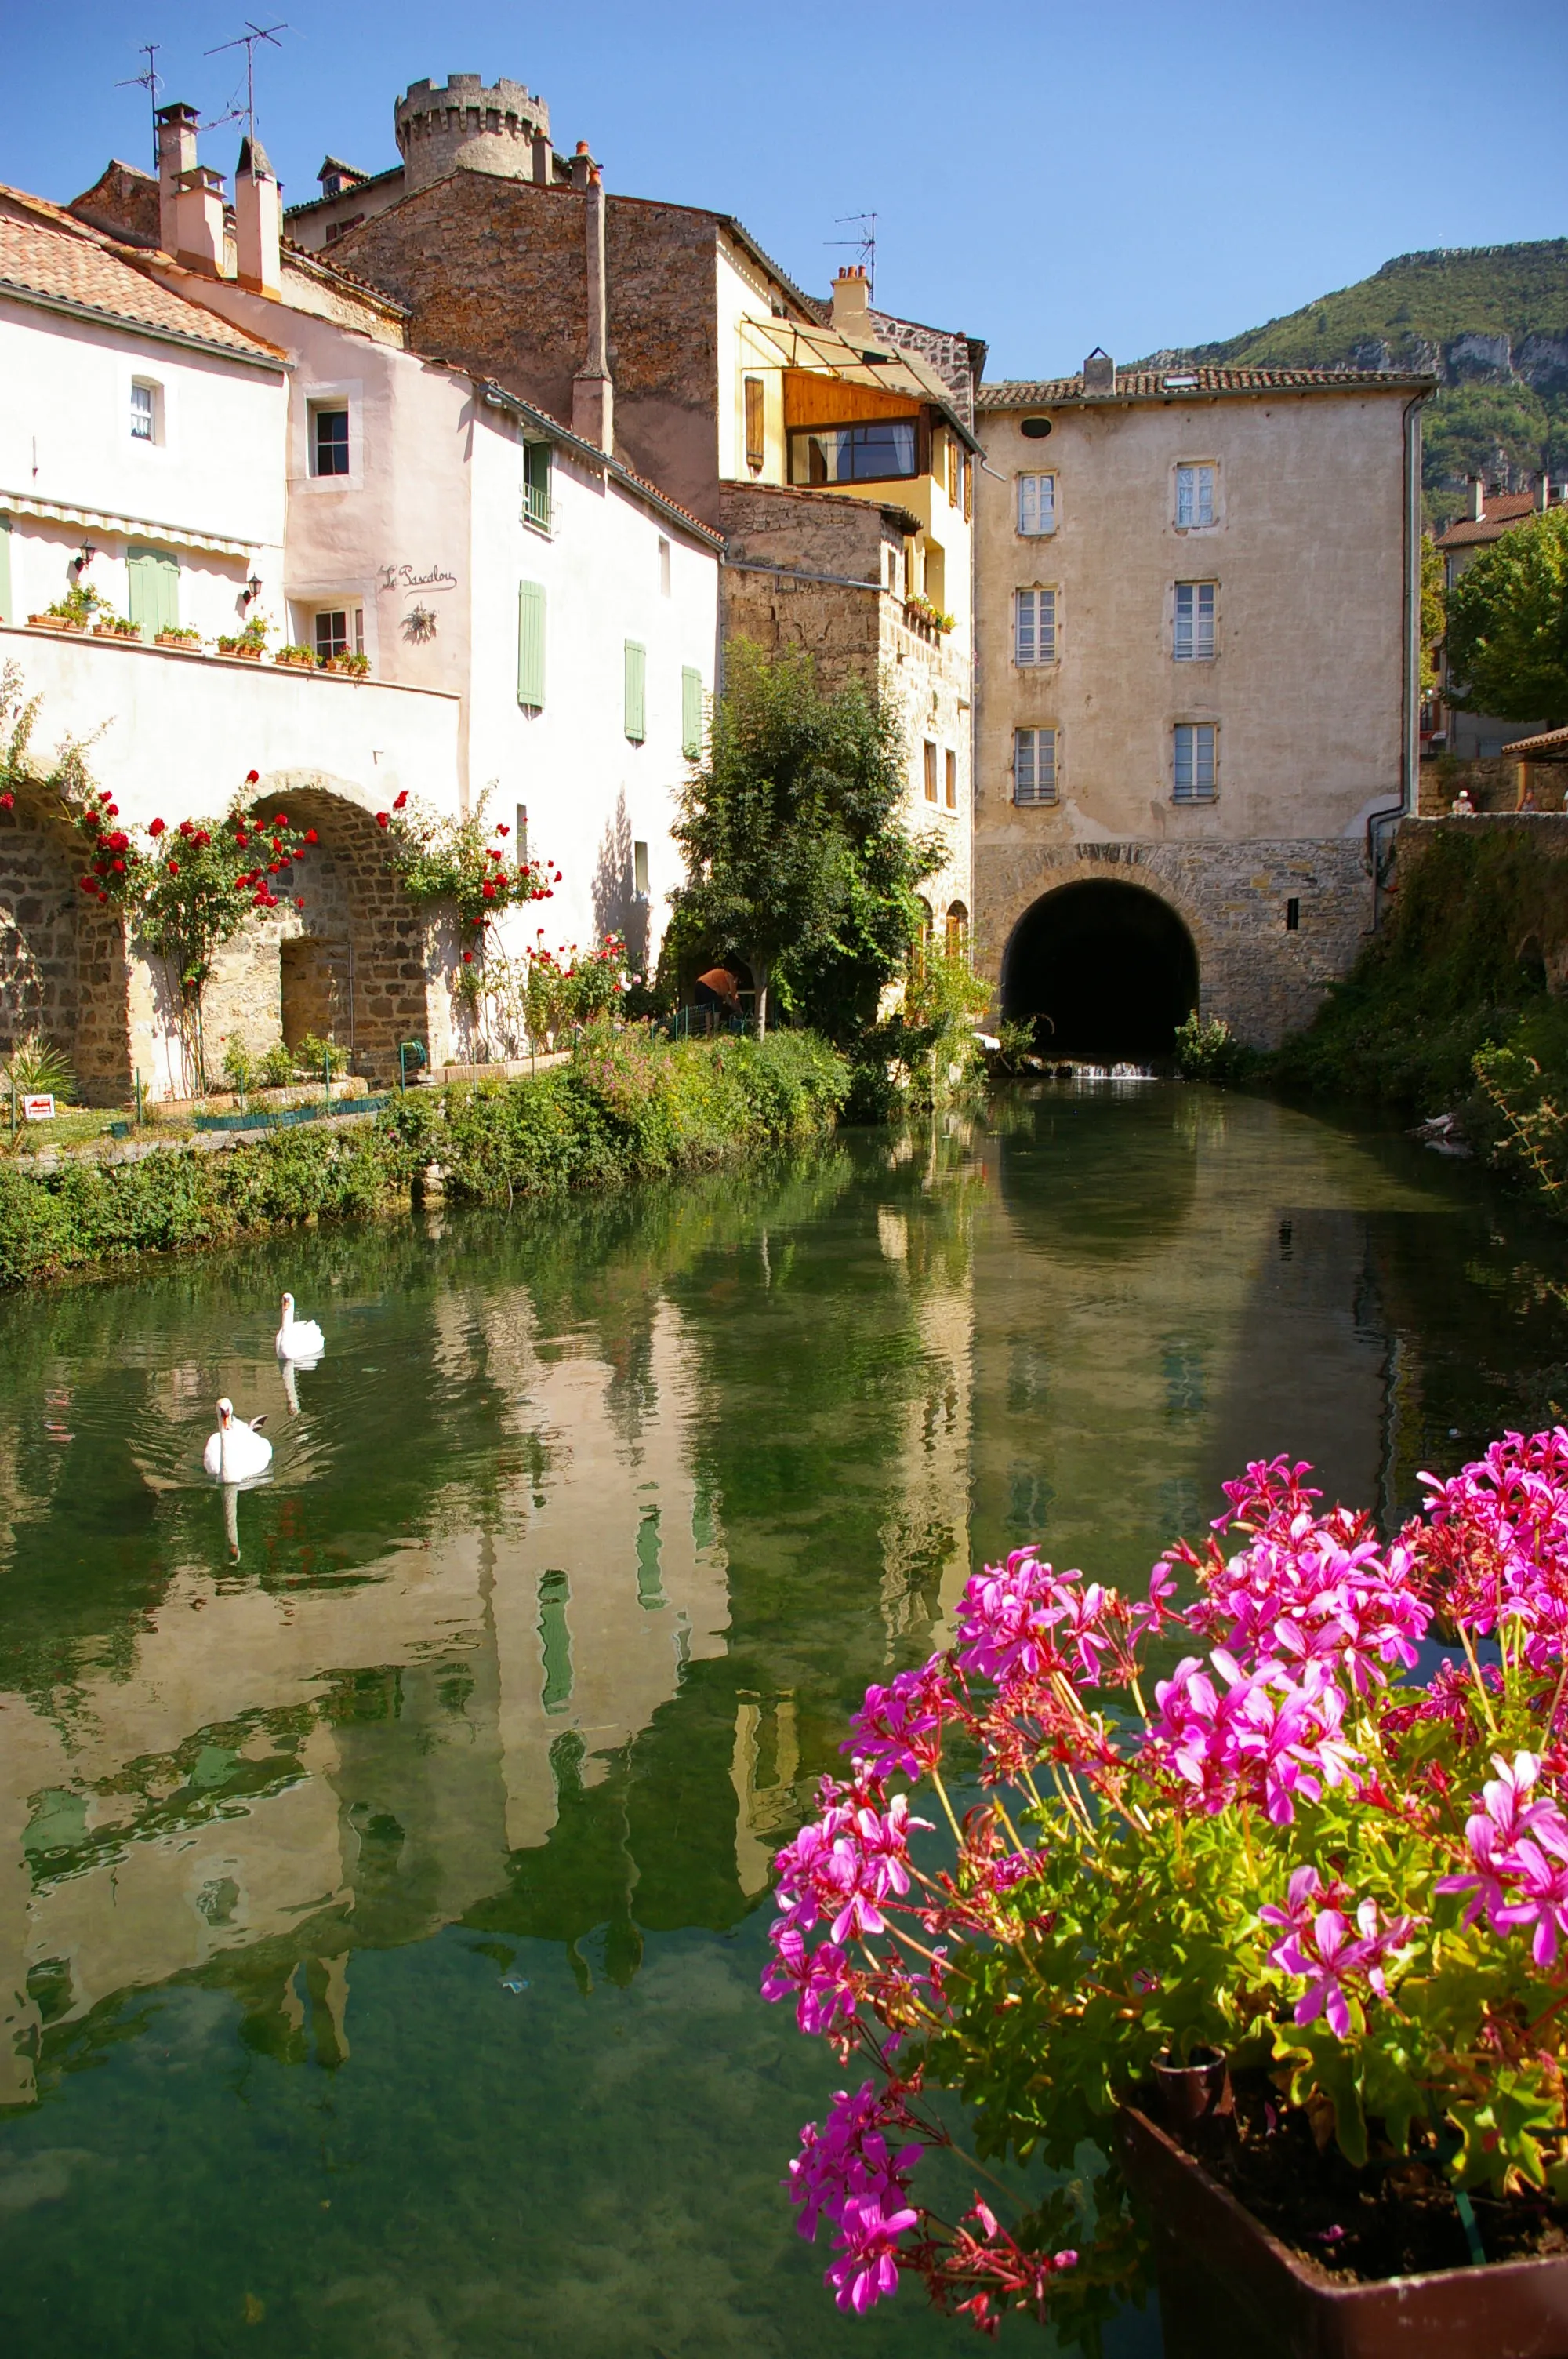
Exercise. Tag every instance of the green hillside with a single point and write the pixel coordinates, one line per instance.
(1490, 322)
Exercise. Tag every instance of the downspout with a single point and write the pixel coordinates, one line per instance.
(1380, 860)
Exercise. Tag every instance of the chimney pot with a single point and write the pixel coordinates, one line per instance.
(1099, 371)
(1477, 500)
(258, 221)
(851, 301)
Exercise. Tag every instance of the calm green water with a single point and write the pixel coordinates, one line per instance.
(383, 1906)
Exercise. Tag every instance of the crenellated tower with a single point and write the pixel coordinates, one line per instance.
(467, 125)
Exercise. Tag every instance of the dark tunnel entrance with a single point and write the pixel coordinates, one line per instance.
(1110, 966)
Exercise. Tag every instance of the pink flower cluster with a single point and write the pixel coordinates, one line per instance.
(1260, 1735)
(848, 2174)
(847, 1862)
(1318, 1943)
(1496, 1541)
(1519, 1847)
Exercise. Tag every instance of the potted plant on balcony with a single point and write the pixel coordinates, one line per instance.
(295, 657)
(349, 666)
(179, 635)
(74, 611)
(247, 644)
(115, 626)
(1280, 1932)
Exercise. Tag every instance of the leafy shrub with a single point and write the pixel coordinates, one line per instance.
(34, 1063)
(276, 1070)
(314, 1055)
(240, 1068)
(1210, 1052)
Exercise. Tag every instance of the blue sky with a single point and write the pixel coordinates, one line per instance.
(1049, 178)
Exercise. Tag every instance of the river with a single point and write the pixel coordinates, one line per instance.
(384, 1905)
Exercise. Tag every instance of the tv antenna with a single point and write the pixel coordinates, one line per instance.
(248, 41)
(151, 81)
(865, 245)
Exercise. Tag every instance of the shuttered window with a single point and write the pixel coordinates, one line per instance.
(755, 444)
(1194, 761)
(952, 779)
(636, 691)
(531, 644)
(930, 771)
(1034, 633)
(153, 599)
(1195, 622)
(691, 714)
(5, 613)
(1194, 497)
(537, 504)
(1036, 504)
(1035, 766)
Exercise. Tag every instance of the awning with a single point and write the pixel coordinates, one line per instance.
(178, 535)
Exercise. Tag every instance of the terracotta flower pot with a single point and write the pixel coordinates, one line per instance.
(242, 655)
(178, 639)
(54, 623)
(1227, 2286)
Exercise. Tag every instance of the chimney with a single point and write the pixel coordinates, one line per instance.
(584, 168)
(852, 303)
(593, 394)
(198, 220)
(544, 159)
(176, 156)
(1544, 494)
(1099, 371)
(1477, 500)
(258, 221)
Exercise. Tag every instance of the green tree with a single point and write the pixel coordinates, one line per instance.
(796, 858)
(1507, 624)
(1433, 611)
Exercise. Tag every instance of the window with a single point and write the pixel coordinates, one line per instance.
(535, 484)
(893, 570)
(663, 567)
(530, 651)
(1194, 761)
(756, 447)
(930, 771)
(1036, 504)
(1194, 640)
(328, 442)
(1035, 766)
(636, 674)
(691, 713)
(331, 633)
(1034, 626)
(968, 486)
(144, 412)
(639, 870)
(952, 779)
(1293, 916)
(956, 929)
(875, 453)
(1194, 497)
(954, 493)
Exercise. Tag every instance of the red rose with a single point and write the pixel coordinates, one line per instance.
(401, 799)
(240, 838)
(503, 831)
(87, 886)
(489, 889)
(309, 835)
(113, 811)
(298, 902)
(468, 958)
(119, 868)
(282, 820)
(383, 819)
(174, 867)
(6, 801)
(273, 866)
(104, 795)
(157, 827)
(252, 778)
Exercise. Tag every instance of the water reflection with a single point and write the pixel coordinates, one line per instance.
(452, 1803)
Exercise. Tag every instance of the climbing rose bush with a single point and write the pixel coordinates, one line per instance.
(1314, 1817)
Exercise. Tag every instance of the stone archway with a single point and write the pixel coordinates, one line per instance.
(63, 969)
(1107, 969)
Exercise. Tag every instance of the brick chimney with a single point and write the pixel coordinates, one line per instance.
(176, 156)
(543, 160)
(594, 394)
(1099, 371)
(258, 221)
(198, 220)
(1477, 500)
(852, 303)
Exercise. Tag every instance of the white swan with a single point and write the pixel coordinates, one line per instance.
(299, 1339)
(236, 1451)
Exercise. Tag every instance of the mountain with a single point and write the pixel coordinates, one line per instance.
(1490, 322)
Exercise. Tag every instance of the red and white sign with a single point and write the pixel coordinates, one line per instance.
(38, 1106)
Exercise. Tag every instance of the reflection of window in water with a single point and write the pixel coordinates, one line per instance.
(556, 1640)
(1180, 1509)
(650, 1581)
(1029, 1498)
(702, 1526)
(1027, 1376)
(1183, 1368)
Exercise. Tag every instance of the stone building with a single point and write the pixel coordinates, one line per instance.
(1477, 737)
(668, 336)
(1197, 698)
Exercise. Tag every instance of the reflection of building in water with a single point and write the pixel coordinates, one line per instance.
(272, 1779)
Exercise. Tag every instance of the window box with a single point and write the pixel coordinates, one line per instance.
(57, 623)
(116, 627)
(186, 639)
(296, 658)
(349, 666)
(241, 651)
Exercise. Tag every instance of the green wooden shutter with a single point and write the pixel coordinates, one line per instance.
(691, 714)
(636, 691)
(5, 613)
(531, 644)
(154, 589)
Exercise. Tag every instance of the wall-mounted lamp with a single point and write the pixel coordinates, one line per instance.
(80, 563)
(253, 591)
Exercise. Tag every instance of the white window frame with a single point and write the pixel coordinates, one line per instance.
(1035, 517)
(1197, 494)
(153, 412)
(1036, 626)
(347, 394)
(1036, 766)
(1195, 749)
(1193, 632)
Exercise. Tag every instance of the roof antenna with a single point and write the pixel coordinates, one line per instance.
(151, 81)
(865, 245)
(247, 41)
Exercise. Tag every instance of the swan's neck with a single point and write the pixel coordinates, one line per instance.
(225, 1450)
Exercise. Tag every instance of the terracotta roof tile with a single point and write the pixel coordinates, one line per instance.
(1163, 384)
(46, 254)
(1504, 510)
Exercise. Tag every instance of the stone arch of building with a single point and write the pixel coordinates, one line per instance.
(63, 969)
(360, 964)
(1106, 967)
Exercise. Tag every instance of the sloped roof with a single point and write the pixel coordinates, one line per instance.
(1552, 745)
(1504, 510)
(48, 257)
(1172, 384)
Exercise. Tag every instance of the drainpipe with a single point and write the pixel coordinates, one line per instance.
(1380, 857)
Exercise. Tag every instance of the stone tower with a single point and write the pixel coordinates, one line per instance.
(464, 125)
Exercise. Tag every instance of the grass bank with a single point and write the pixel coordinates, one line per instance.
(1448, 1008)
(624, 1109)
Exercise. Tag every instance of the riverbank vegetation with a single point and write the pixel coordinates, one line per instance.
(625, 1108)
